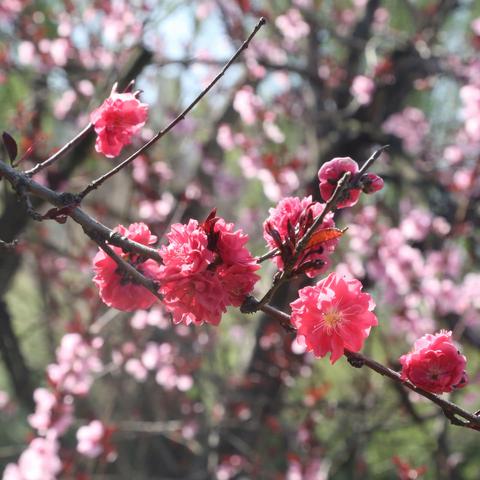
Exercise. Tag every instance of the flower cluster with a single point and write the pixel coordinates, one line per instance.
(206, 268)
(159, 359)
(435, 364)
(40, 461)
(115, 286)
(331, 173)
(77, 362)
(54, 412)
(288, 222)
(333, 315)
(119, 117)
(93, 440)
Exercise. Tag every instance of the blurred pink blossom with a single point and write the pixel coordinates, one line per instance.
(411, 126)
(292, 25)
(362, 89)
(89, 439)
(77, 362)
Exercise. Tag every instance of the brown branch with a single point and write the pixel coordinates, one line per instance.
(6, 246)
(15, 363)
(329, 206)
(99, 181)
(65, 149)
(456, 414)
(283, 276)
(24, 185)
(451, 410)
(132, 272)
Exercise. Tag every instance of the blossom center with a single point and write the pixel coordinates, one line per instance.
(332, 317)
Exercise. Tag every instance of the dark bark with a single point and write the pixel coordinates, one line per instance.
(14, 360)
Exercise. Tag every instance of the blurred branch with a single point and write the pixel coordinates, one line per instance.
(15, 363)
(6, 246)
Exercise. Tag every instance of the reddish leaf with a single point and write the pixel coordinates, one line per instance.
(60, 215)
(10, 146)
(324, 235)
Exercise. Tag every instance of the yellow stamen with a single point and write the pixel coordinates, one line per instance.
(332, 317)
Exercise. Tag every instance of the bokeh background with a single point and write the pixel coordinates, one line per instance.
(322, 79)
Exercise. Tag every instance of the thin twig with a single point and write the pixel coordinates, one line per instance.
(8, 246)
(282, 277)
(342, 185)
(99, 181)
(130, 270)
(451, 410)
(25, 185)
(368, 164)
(329, 205)
(68, 146)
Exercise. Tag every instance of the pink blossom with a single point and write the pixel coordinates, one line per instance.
(416, 223)
(435, 364)
(453, 154)
(371, 183)
(59, 51)
(292, 25)
(77, 362)
(52, 412)
(464, 178)
(89, 439)
(475, 25)
(64, 103)
(40, 461)
(225, 137)
(411, 126)
(206, 268)
(470, 97)
(135, 368)
(248, 105)
(154, 317)
(118, 118)
(116, 287)
(156, 210)
(333, 315)
(26, 52)
(362, 89)
(4, 400)
(294, 211)
(329, 175)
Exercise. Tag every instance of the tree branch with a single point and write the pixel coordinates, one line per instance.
(99, 181)
(457, 415)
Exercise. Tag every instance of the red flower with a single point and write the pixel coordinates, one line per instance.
(118, 118)
(435, 364)
(300, 214)
(329, 175)
(371, 183)
(117, 289)
(333, 315)
(206, 268)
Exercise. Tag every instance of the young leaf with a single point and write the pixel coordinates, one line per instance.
(324, 235)
(10, 146)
